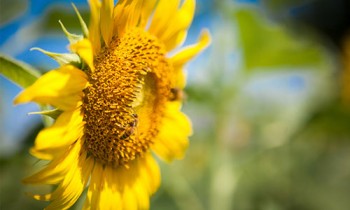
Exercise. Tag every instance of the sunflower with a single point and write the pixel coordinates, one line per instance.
(117, 99)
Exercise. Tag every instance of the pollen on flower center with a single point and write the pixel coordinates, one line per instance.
(124, 101)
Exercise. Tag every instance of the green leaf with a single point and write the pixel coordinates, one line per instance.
(278, 7)
(55, 13)
(328, 124)
(267, 44)
(12, 9)
(18, 72)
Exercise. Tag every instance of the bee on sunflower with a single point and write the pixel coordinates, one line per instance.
(114, 96)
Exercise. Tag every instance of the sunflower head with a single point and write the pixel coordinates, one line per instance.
(124, 102)
(118, 93)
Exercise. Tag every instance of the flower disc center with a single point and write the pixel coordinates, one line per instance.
(124, 102)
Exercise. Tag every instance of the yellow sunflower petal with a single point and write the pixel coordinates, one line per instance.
(73, 184)
(93, 194)
(141, 193)
(67, 129)
(170, 143)
(152, 173)
(84, 49)
(110, 197)
(146, 11)
(61, 88)
(107, 20)
(180, 78)
(47, 154)
(163, 14)
(129, 200)
(175, 35)
(121, 14)
(123, 188)
(127, 179)
(176, 40)
(138, 183)
(94, 27)
(149, 174)
(134, 14)
(189, 52)
(126, 15)
(56, 169)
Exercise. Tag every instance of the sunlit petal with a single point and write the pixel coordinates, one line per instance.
(174, 121)
(61, 88)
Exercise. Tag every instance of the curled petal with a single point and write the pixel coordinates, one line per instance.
(191, 51)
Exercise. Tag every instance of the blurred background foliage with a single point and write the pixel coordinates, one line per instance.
(269, 102)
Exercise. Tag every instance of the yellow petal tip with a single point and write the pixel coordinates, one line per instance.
(22, 98)
(205, 38)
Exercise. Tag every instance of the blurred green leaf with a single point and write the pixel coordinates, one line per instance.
(267, 45)
(11, 9)
(68, 17)
(332, 123)
(18, 72)
(279, 6)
